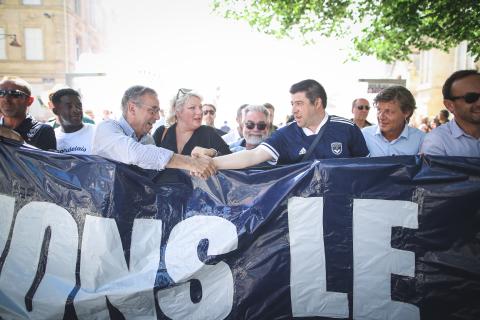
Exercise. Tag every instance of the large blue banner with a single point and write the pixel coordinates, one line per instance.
(382, 238)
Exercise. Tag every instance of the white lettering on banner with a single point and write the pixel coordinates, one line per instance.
(375, 260)
(22, 261)
(104, 271)
(182, 264)
(6, 216)
(308, 284)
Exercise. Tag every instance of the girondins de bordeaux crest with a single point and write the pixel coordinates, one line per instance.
(336, 148)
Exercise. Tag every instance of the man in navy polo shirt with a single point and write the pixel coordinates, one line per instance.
(340, 138)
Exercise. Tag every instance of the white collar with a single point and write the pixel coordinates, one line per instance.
(309, 132)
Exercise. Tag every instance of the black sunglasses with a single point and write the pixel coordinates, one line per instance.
(205, 112)
(361, 107)
(13, 93)
(260, 125)
(469, 97)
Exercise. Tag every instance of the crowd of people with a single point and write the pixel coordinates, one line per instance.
(189, 140)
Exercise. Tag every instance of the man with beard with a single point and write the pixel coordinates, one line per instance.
(460, 136)
(15, 98)
(73, 136)
(256, 128)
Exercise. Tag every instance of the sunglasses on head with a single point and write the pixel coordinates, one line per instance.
(181, 92)
(205, 112)
(260, 125)
(361, 107)
(469, 97)
(13, 93)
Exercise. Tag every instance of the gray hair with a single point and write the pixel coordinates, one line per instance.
(134, 94)
(256, 108)
(178, 102)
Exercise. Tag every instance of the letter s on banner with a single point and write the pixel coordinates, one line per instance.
(374, 260)
(182, 264)
(21, 264)
(308, 272)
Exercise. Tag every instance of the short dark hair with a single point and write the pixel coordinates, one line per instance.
(57, 95)
(312, 89)
(445, 113)
(400, 94)
(457, 75)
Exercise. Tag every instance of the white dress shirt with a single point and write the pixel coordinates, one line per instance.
(117, 141)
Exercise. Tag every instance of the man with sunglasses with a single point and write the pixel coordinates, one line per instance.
(360, 109)
(255, 128)
(15, 98)
(313, 135)
(460, 136)
(209, 115)
(128, 140)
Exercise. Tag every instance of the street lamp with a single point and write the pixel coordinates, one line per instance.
(14, 42)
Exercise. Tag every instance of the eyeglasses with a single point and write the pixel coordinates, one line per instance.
(13, 93)
(361, 107)
(150, 109)
(205, 112)
(260, 125)
(469, 97)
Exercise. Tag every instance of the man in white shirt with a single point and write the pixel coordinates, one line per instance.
(73, 136)
(128, 140)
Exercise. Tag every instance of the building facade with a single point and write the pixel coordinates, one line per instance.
(52, 34)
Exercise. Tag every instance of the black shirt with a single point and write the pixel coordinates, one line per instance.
(37, 134)
(204, 137)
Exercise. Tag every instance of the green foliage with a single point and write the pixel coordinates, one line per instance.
(388, 29)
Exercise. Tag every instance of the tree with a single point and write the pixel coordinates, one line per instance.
(388, 29)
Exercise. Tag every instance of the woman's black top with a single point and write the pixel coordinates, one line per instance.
(204, 136)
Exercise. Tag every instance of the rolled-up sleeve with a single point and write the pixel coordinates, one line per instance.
(111, 142)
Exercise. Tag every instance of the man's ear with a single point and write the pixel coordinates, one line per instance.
(55, 110)
(131, 107)
(449, 105)
(30, 101)
(319, 103)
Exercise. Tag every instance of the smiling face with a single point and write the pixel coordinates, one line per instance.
(391, 119)
(143, 113)
(251, 132)
(466, 114)
(69, 112)
(190, 115)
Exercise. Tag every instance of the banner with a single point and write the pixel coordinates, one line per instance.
(82, 237)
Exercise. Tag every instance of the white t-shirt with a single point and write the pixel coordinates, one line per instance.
(78, 142)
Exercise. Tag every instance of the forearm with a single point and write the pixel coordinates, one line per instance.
(242, 159)
(178, 161)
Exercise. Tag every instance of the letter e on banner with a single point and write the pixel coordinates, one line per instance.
(374, 260)
(182, 263)
(308, 280)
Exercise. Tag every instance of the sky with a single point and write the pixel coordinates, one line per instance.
(182, 44)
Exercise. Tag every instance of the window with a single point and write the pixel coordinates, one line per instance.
(35, 2)
(33, 44)
(78, 7)
(425, 67)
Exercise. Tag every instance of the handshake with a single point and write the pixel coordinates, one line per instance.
(202, 162)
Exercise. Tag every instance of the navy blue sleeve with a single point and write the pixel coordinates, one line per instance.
(358, 146)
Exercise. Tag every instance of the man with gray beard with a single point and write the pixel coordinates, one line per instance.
(256, 128)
